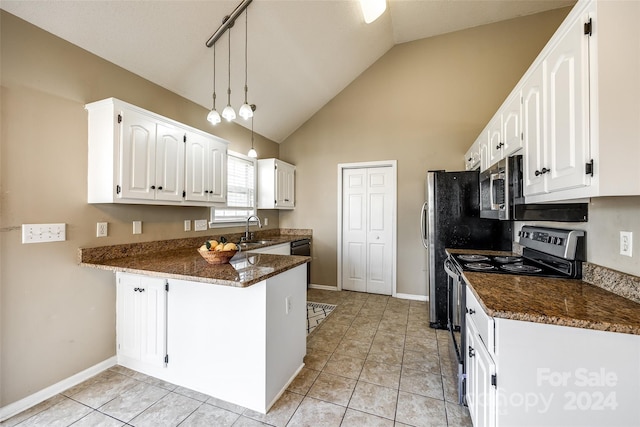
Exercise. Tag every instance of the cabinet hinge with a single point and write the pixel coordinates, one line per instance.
(588, 168)
(588, 27)
(166, 358)
(494, 380)
(166, 286)
(118, 189)
(521, 136)
(119, 118)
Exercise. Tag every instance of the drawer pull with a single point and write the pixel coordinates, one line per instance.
(472, 352)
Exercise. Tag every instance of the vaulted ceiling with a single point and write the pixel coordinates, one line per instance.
(301, 53)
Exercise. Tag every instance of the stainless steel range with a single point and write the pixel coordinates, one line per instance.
(547, 252)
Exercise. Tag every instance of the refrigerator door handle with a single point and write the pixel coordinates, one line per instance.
(423, 225)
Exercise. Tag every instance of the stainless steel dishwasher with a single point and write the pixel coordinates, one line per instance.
(303, 247)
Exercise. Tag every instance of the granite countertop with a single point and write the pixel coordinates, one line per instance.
(564, 302)
(179, 259)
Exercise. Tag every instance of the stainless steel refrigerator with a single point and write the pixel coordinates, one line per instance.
(451, 219)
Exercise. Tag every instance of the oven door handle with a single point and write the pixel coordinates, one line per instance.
(423, 225)
(450, 269)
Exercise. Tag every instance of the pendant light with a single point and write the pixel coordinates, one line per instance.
(245, 110)
(228, 113)
(214, 117)
(252, 152)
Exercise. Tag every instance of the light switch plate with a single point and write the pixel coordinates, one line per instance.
(187, 225)
(200, 224)
(137, 227)
(42, 233)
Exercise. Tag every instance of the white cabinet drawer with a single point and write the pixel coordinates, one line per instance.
(483, 323)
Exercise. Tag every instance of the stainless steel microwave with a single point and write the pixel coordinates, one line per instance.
(502, 197)
(495, 200)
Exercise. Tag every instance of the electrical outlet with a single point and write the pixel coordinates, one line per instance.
(39, 233)
(200, 224)
(187, 225)
(102, 229)
(266, 221)
(626, 243)
(137, 227)
(287, 305)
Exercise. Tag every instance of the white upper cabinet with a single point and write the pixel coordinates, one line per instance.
(566, 141)
(206, 169)
(511, 125)
(503, 135)
(579, 110)
(276, 184)
(533, 132)
(472, 157)
(136, 156)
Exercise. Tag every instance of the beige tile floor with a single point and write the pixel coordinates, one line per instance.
(373, 362)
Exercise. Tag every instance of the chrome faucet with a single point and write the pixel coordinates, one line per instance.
(247, 235)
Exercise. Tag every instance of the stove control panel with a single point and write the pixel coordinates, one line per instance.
(567, 244)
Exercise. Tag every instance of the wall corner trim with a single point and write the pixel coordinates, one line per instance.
(15, 408)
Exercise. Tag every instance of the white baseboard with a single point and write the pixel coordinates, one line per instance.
(412, 297)
(15, 408)
(323, 287)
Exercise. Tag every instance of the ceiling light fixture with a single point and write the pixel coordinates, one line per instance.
(252, 152)
(246, 110)
(229, 113)
(372, 9)
(214, 117)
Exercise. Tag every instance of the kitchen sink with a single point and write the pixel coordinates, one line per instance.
(250, 243)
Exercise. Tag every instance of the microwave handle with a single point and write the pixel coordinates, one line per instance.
(491, 193)
(423, 225)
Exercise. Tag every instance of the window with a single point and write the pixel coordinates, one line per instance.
(241, 192)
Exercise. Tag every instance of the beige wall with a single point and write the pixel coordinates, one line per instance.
(57, 318)
(423, 104)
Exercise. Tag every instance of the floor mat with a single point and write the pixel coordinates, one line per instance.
(316, 313)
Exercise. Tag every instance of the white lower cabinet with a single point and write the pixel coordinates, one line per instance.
(240, 345)
(481, 394)
(141, 320)
(537, 374)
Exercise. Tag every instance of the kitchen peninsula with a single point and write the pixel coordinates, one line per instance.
(235, 331)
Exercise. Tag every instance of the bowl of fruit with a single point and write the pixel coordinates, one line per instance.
(215, 252)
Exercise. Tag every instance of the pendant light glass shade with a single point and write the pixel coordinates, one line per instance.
(245, 110)
(214, 117)
(229, 113)
(253, 153)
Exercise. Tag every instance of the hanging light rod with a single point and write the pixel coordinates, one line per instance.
(228, 22)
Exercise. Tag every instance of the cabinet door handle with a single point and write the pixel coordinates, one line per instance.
(542, 172)
(472, 352)
(153, 187)
(499, 146)
(471, 311)
(138, 289)
(160, 188)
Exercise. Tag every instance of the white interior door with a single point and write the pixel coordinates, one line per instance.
(367, 223)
